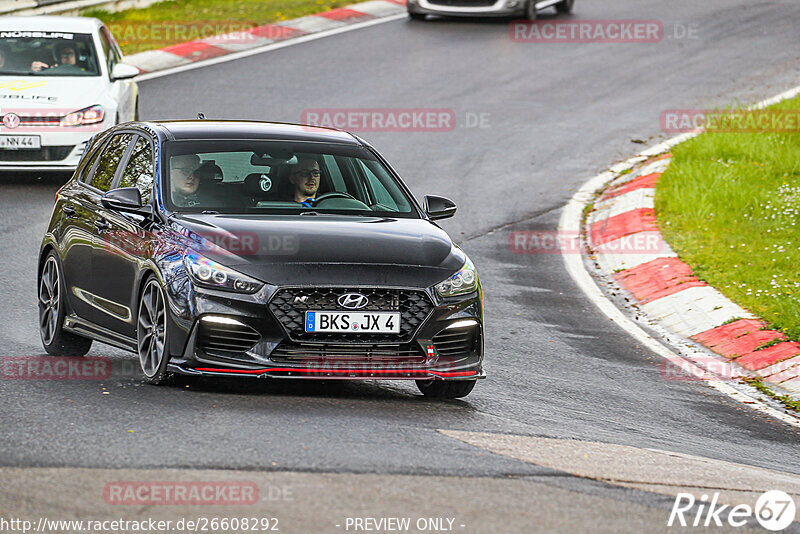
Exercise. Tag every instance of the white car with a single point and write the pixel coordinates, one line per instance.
(62, 80)
(419, 9)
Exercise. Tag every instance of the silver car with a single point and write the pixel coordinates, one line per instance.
(418, 9)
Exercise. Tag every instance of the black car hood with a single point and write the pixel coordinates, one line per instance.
(326, 249)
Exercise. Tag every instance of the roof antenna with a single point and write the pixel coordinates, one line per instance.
(201, 116)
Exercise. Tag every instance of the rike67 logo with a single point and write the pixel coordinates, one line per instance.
(774, 510)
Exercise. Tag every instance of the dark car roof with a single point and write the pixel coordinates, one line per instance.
(231, 129)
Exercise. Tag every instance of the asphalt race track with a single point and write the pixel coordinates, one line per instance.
(554, 115)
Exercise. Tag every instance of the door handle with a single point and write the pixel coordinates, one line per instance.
(69, 211)
(102, 225)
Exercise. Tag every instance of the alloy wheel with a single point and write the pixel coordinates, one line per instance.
(49, 301)
(151, 329)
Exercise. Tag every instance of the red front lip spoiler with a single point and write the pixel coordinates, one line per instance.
(440, 374)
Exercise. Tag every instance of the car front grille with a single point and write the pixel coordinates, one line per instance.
(455, 342)
(290, 304)
(351, 353)
(219, 339)
(464, 3)
(48, 153)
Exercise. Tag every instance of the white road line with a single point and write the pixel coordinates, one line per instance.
(269, 48)
(570, 224)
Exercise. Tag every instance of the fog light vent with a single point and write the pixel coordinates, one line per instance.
(222, 336)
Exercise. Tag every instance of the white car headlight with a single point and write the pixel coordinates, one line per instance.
(90, 115)
(208, 273)
(463, 282)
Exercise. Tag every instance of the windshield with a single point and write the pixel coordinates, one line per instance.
(280, 177)
(47, 54)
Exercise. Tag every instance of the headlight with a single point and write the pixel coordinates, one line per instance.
(463, 282)
(90, 115)
(207, 273)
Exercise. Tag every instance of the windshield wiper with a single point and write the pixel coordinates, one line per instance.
(309, 213)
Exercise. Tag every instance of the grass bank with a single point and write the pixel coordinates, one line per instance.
(170, 22)
(729, 205)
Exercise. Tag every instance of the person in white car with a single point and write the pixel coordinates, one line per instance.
(62, 80)
(65, 55)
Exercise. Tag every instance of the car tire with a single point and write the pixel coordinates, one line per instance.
(52, 309)
(530, 10)
(442, 389)
(565, 7)
(416, 16)
(151, 333)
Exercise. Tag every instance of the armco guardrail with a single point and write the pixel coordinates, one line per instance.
(66, 7)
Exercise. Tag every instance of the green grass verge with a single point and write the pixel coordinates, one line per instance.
(729, 205)
(185, 17)
(786, 400)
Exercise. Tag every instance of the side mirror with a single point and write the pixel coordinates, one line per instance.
(123, 71)
(439, 207)
(127, 199)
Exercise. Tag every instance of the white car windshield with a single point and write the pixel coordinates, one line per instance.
(40, 53)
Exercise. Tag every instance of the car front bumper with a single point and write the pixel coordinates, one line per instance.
(61, 148)
(447, 344)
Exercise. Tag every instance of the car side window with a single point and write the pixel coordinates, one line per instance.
(139, 170)
(335, 173)
(110, 51)
(86, 171)
(382, 196)
(109, 161)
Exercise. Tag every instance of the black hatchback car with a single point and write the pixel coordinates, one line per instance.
(257, 249)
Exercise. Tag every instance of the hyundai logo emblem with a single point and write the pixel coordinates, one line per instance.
(11, 120)
(353, 301)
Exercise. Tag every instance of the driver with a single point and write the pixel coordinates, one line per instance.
(65, 54)
(184, 181)
(304, 177)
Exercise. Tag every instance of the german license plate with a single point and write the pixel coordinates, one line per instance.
(20, 142)
(353, 322)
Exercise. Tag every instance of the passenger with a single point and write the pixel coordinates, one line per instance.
(304, 177)
(7, 62)
(184, 181)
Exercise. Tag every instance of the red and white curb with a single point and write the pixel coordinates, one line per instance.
(667, 291)
(689, 324)
(203, 50)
